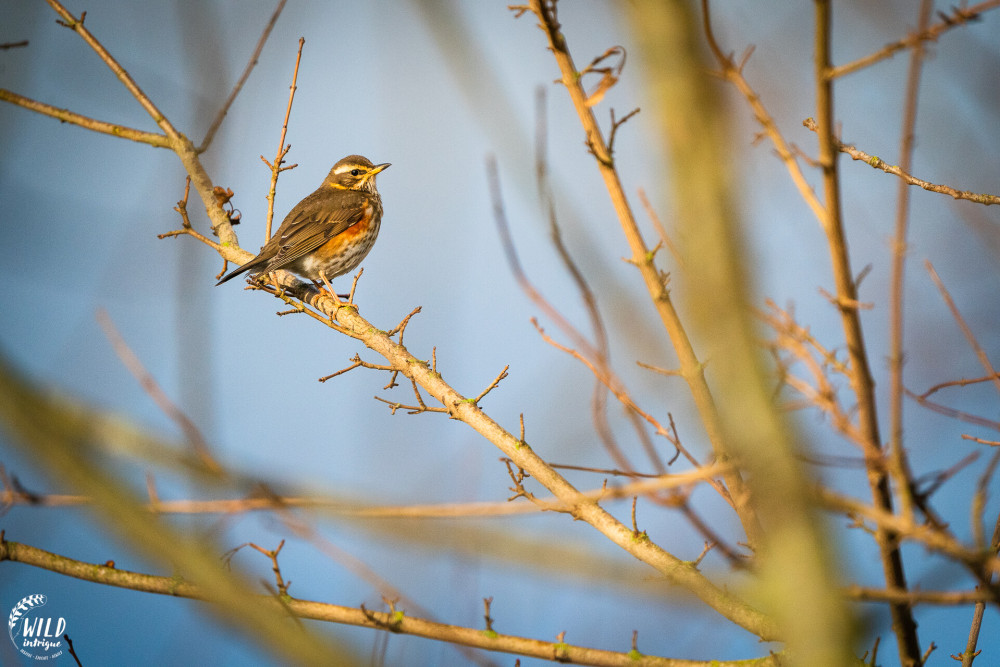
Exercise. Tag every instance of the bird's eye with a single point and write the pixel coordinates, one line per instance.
(355, 172)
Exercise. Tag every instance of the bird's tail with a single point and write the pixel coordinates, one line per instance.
(249, 266)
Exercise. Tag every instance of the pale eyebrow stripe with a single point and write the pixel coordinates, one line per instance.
(348, 167)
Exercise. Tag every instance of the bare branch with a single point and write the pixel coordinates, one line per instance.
(862, 383)
(914, 597)
(76, 25)
(492, 385)
(991, 443)
(279, 159)
(643, 260)
(66, 116)
(149, 384)
(397, 621)
(970, 337)
(899, 465)
(960, 15)
(877, 163)
(959, 383)
(952, 412)
(219, 117)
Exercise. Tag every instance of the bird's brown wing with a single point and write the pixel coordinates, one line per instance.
(315, 220)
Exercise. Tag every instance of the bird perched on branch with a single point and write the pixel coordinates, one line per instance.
(329, 232)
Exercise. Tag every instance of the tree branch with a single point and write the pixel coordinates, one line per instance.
(393, 621)
(66, 116)
(692, 368)
(877, 163)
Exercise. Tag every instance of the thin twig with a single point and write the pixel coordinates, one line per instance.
(72, 651)
(933, 538)
(959, 16)
(153, 389)
(991, 443)
(627, 401)
(273, 555)
(219, 117)
(187, 229)
(492, 385)
(354, 286)
(959, 383)
(594, 351)
(660, 229)
(279, 158)
(903, 624)
(899, 467)
(801, 346)
(265, 501)
(662, 371)
(970, 337)
(943, 598)
(953, 413)
(978, 505)
(599, 396)
(397, 621)
(975, 627)
(67, 116)
(615, 125)
(877, 163)
(399, 328)
(733, 72)
(421, 407)
(357, 362)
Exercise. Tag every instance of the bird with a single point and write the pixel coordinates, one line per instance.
(329, 232)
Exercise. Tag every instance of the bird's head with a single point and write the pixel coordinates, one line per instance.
(354, 172)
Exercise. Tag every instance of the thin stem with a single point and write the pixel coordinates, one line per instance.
(977, 615)
(149, 384)
(981, 355)
(219, 117)
(899, 467)
(959, 16)
(875, 162)
(904, 626)
(67, 116)
(282, 149)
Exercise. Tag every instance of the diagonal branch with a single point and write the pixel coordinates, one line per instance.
(131, 362)
(877, 163)
(176, 141)
(219, 117)
(345, 319)
(692, 369)
(76, 25)
(959, 16)
(970, 337)
(67, 116)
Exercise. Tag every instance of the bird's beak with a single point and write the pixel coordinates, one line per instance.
(379, 167)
